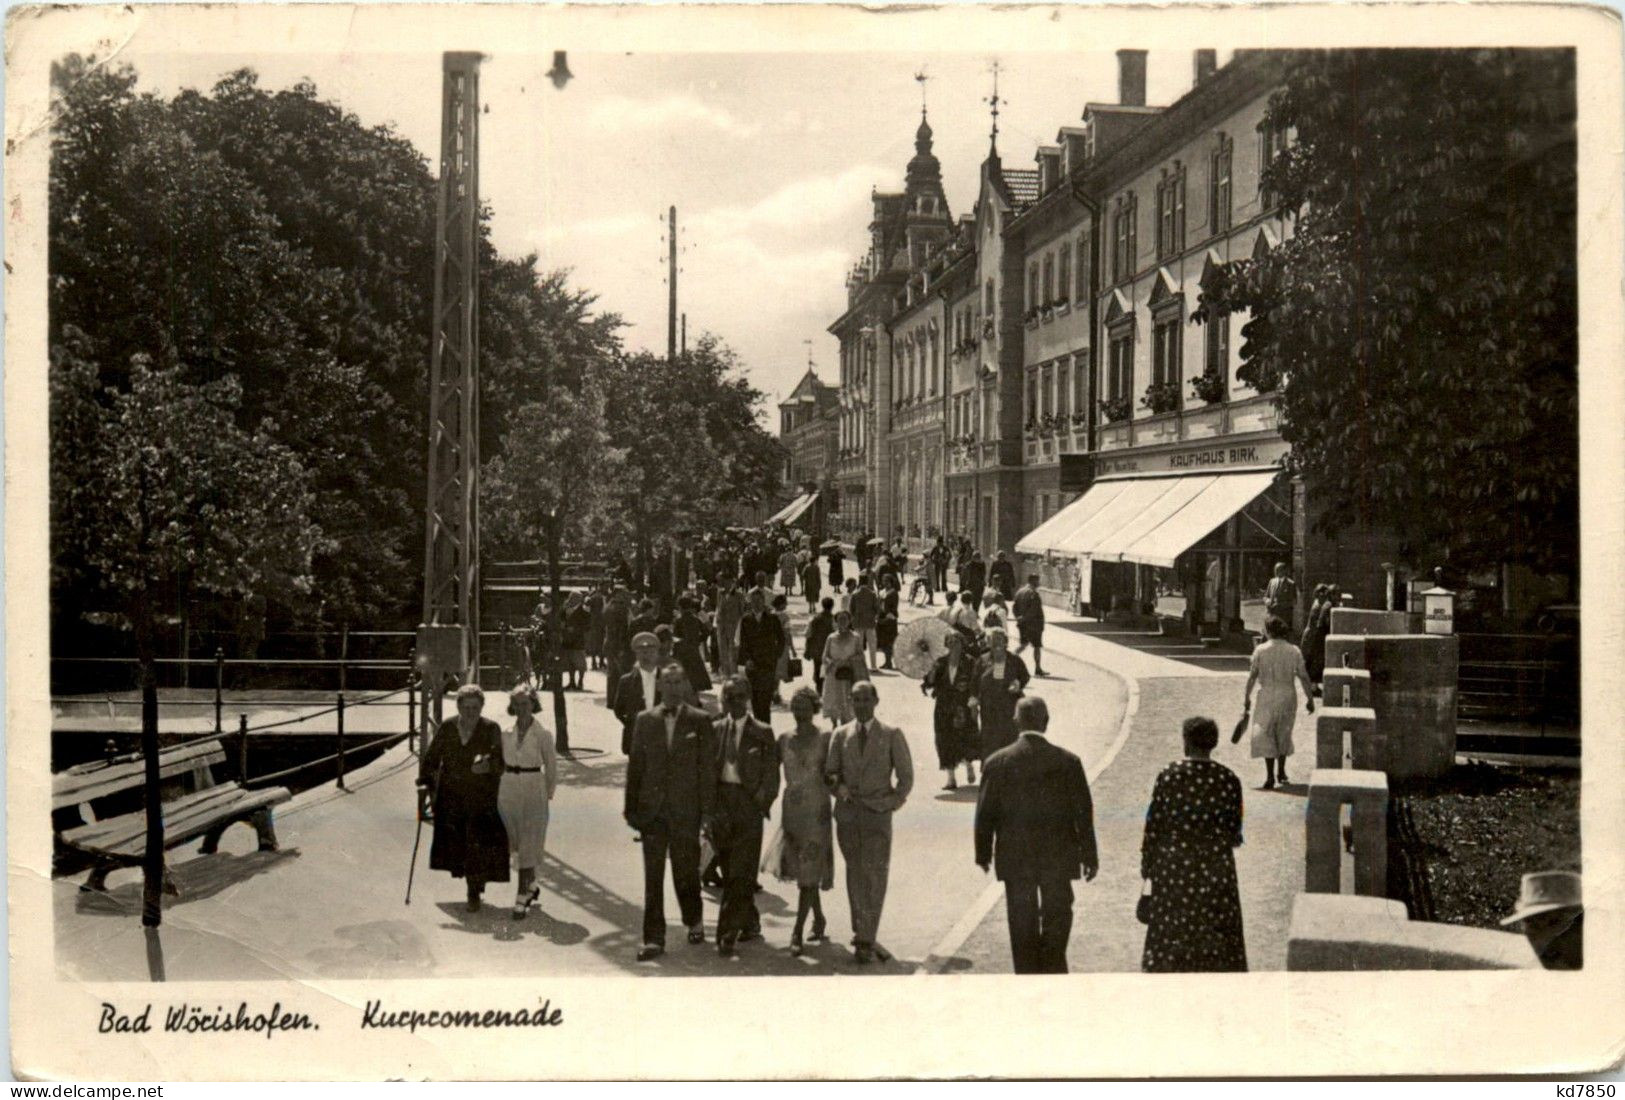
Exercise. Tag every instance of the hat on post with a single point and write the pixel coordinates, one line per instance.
(1544, 891)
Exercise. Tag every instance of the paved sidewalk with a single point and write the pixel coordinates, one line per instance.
(1106, 937)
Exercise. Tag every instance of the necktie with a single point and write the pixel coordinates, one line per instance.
(733, 741)
(863, 737)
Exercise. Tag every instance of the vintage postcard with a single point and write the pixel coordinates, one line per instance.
(972, 542)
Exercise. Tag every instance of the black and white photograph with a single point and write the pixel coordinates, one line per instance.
(588, 497)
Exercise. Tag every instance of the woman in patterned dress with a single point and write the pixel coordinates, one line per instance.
(844, 665)
(1276, 665)
(1190, 830)
(809, 854)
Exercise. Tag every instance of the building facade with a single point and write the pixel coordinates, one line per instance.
(809, 422)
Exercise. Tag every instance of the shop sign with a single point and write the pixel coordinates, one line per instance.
(1192, 459)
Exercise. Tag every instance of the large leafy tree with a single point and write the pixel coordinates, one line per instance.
(160, 491)
(1419, 326)
(693, 443)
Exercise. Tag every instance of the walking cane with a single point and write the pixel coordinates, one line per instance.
(422, 793)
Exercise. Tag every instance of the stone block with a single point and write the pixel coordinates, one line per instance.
(1348, 932)
(1413, 691)
(1345, 651)
(1346, 687)
(1355, 727)
(1360, 620)
(1365, 792)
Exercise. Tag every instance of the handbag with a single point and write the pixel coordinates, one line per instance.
(792, 669)
(1142, 908)
(1241, 725)
(843, 672)
(773, 853)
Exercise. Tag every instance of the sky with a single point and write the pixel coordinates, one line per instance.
(769, 159)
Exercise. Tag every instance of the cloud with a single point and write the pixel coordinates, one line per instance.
(623, 114)
(815, 202)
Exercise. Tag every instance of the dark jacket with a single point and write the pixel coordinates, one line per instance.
(761, 641)
(819, 628)
(1034, 816)
(758, 759)
(1003, 576)
(865, 608)
(973, 577)
(675, 787)
(629, 703)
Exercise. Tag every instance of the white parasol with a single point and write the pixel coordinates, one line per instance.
(920, 645)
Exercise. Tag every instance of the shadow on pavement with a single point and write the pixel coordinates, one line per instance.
(196, 880)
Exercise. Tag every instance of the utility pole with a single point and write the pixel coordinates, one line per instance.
(671, 285)
(685, 334)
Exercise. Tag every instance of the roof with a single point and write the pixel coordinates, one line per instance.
(1023, 185)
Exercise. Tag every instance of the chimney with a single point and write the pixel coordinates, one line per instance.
(1131, 78)
(1206, 64)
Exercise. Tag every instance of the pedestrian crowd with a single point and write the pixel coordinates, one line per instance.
(701, 787)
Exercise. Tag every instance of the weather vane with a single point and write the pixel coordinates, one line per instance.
(920, 78)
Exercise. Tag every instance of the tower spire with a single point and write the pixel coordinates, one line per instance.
(994, 101)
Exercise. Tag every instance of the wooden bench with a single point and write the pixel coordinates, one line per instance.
(207, 810)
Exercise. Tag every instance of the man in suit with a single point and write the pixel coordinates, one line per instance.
(972, 576)
(747, 783)
(1035, 825)
(1281, 595)
(872, 773)
(865, 609)
(1003, 575)
(636, 691)
(1029, 613)
(761, 641)
(670, 792)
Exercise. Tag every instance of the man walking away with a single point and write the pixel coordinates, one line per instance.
(747, 784)
(865, 609)
(1035, 825)
(1029, 612)
(871, 772)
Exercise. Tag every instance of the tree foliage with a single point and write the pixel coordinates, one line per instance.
(1421, 320)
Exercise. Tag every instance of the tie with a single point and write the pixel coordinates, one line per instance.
(733, 741)
(863, 737)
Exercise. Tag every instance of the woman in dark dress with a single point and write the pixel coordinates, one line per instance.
(837, 571)
(953, 682)
(689, 634)
(462, 768)
(1001, 676)
(886, 625)
(1190, 830)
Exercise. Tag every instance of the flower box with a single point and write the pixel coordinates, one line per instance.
(1209, 386)
(1113, 409)
(1161, 397)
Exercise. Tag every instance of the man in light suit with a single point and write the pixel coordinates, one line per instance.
(872, 773)
(670, 791)
(637, 692)
(1035, 824)
(747, 762)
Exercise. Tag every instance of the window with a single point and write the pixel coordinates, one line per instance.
(1060, 389)
(1063, 275)
(1045, 383)
(1271, 143)
(1032, 394)
(1049, 280)
(1082, 290)
(1171, 213)
(1120, 377)
(1218, 346)
(990, 308)
(933, 384)
(1080, 383)
(1218, 193)
(1123, 239)
(1032, 285)
(1165, 349)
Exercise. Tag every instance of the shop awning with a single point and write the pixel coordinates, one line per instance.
(1148, 520)
(789, 511)
(1046, 537)
(799, 508)
(1185, 527)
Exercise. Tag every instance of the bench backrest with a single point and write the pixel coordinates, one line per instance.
(86, 782)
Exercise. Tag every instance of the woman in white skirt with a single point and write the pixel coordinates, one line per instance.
(530, 774)
(1277, 668)
(844, 665)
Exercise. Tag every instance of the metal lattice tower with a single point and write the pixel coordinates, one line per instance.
(451, 592)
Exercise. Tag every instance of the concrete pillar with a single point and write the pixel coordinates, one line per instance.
(1366, 792)
(1413, 691)
(1349, 736)
(1360, 620)
(1346, 687)
(1348, 932)
(1344, 651)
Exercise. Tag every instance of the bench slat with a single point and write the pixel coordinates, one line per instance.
(126, 837)
(71, 788)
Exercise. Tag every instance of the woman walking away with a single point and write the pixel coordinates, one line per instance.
(1276, 665)
(809, 852)
(689, 635)
(1001, 676)
(953, 683)
(1315, 632)
(463, 768)
(530, 775)
(1186, 858)
(844, 665)
(781, 611)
